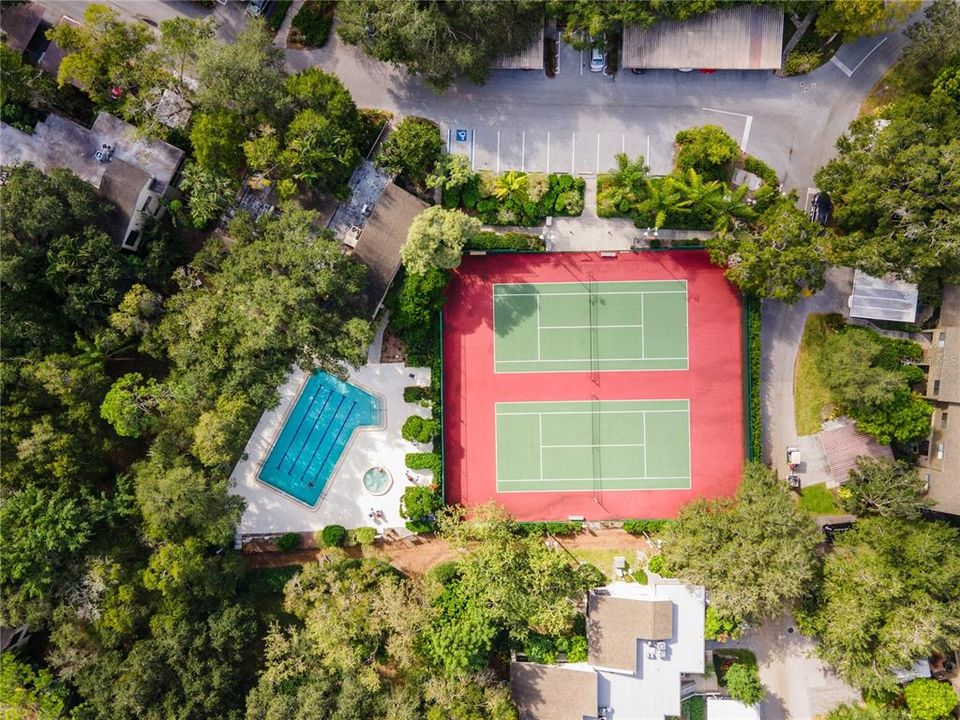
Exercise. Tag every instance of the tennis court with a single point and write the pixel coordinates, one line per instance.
(593, 445)
(590, 326)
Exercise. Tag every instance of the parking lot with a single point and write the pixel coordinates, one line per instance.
(580, 153)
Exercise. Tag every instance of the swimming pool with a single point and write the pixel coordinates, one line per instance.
(315, 434)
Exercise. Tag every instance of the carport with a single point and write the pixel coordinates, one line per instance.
(748, 37)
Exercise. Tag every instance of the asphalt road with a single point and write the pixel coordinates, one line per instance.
(580, 120)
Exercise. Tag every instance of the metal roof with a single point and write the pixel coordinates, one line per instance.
(747, 37)
(883, 299)
(843, 445)
(530, 59)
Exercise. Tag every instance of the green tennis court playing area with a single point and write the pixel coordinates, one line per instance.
(590, 326)
(593, 445)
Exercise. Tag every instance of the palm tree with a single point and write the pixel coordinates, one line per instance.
(626, 183)
(663, 200)
(512, 185)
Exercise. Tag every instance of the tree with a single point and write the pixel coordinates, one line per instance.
(220, 433)
(662, 202)
(586, 19)
(452, 172)
(29, 693)
(412, 150)
(743, 683)
(208, 193)
(708, 150)
(621, 189)
(859, 18)
(181, 42)
(314, 89)
(436, 239)
(934, 43)
(889, 596)
(753, 555)
(15, 77)
(217, 140)
(904, 419)
(102, 52)
(318, 152)
(440, 40)
(895, 192)
(930, 699)
(890, 488)
(245, 76)
(133, 404)
(137, 311)
(866, 712)
(778, 258)
(417, 505)
(848, 364)
(279, 292)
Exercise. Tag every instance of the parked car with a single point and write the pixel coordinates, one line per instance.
(832, 530)
(821, 208)
(257, 8)
(597, 60)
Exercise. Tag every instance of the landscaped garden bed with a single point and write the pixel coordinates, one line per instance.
(517, 198)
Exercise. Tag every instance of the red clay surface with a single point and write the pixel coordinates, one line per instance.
(712, 384)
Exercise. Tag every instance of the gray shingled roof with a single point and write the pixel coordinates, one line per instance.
(553, 692)
(615, 624)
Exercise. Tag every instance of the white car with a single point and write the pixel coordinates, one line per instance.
(255, 8)
(597, 60)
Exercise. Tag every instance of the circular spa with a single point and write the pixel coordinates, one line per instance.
(377, 481)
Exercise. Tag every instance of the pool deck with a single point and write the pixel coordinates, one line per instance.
(344, 500)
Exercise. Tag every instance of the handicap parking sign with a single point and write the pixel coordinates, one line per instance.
(461, 135)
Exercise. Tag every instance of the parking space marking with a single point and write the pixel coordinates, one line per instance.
(573, 150)
(523, 150)
(581, 61)
(473, 145)
(598, 153)
(746, 127)
(843, 68)
(498, 152)
(548, 152)
(647, 157)
(872, 51)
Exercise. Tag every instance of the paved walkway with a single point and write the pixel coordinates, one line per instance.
(799, 685)
(782, 330)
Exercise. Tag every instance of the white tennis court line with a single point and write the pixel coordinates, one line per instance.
(589, 445)
(645, 442)
(620, 359)
(590, 412)
(538, 326)
(540, 423)
(581, 294)
(610, 479)
(582, 327)
(643, 341)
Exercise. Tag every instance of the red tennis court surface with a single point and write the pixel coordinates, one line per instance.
(712, 384)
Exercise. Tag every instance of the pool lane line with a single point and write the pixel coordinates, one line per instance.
(303, 445)
(335, 439)
(306, 414)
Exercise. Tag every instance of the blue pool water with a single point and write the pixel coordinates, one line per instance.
(314, 435)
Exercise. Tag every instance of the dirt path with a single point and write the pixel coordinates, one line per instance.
(415, 557)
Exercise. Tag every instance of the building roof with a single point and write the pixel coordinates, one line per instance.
(530, 59)
(383, 235)
(747, 37)
(615, 624)
(160, 159)
(950, 306)
(883, 299)
(54, 54)
(944, 487)
(122, 184)
(554, 692)
(944, 365)
(727, 709)
(844, 444)
(172, 110)
(19, 23)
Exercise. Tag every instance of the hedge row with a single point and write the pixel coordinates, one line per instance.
(520, 242)
(564, 528)
(763, 171)
(416, 394)
(531, 200)
(426, 461)
(420, 430)
(639, 527)
(754, 350)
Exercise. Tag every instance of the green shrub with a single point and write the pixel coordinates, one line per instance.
(640, 575)
(708, 150)
(270, 581)
(334, 536)
(562, 528)
(693, 708)
(417, 507)
(657, 565)
(590, 576)
(719, 627)
(520, 242)
(930, 699)
(763, 171)
(361, 536)
(416, 394)
(418, 429)
(446, 572)
(801, 62)
(639, 527)
(426, 461)
(289, 541)
(754, 351)
(313, 22)
(743, 683)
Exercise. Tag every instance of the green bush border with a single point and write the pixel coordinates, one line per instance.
(751, 387)
(564, 528)
(639, 527)
(426, 461)
(490, 241)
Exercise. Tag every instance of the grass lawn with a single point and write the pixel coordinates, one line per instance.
(694, 708)
(810, 396)
(818, 500)
(891, 87)
(603, 559)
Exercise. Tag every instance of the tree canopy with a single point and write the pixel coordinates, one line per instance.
(890, 595)
(441, 40)
(436, 239)
(754, 555)
(890, 488)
